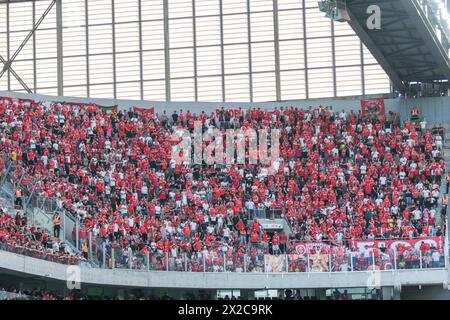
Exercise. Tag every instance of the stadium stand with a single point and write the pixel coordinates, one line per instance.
(343, 179)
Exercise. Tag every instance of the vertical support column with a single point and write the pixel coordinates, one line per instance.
(286, 262)
(34, 50)
(333, 52)
(351, 261)
(194, 40)
(420, 258)
(130, 260)
(307, 260)
(88, 78)
(141, 54)
(185, 262)
(8, 42)
(104, 255)
(305, 50)
(373, 261)
(63, 220)
(148, 260)
(446, 247)
(224, 262)
(277, 50)
(59, 45)
(245, 263)
(250, 61)
(77, 233)
(113, 258)
(167, 48)
(395, 259)
(167, 261)
(222, 51)
(204, 262)
(329, 261)
(113, 23)
(90, 245)
(363, 81)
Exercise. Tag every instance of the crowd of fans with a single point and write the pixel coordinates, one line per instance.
(18, 236)
(12, 293)
(340, 177)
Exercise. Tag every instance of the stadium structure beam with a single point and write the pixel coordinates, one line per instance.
(59, 47)
(7, 64)
(429, 36)
(11, 70)
(377, 54)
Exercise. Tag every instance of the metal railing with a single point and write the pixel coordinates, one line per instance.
(260, 262)
(41, 254)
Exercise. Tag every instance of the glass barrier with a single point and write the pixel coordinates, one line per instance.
(340, 262)
(121, 258)
(275, 263)
(234, 262)
(297, 263)
(62, 258)
(384, 261)
(139, 261)
(157, 261)
(214, 262)
(195, 262)
(319, 262)
(254, 262)
(177, 262)
(362, 261)
(4, 295)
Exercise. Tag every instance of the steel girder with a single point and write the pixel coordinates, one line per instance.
(7, 64)
(406, 47)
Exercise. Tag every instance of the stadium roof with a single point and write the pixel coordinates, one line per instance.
(408, 47)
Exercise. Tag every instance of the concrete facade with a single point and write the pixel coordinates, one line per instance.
(143, 279)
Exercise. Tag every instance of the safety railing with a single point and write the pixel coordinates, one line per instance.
(42, 254)
(259, 262)
(5, 295)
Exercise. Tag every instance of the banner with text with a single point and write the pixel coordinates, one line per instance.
(360, 245)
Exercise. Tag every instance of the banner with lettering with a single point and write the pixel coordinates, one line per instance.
(307, 247)
(233, 112)
(361, 245)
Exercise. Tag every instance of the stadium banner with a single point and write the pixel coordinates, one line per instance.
(144, 111)
(233, 111)
(114, 109)
(360, 245)
(372, 107)
(305, 247)
(5, 99)
(274, 263)
(319, 262)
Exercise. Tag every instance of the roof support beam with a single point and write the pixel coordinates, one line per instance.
(428, 34)
(378, 55)
(11, 70)
(7, 65)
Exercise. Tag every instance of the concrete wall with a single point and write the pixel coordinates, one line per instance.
(436, 110)
(143, 279)
(196, 107)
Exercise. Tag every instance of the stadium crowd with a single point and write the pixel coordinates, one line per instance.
(18, 236)
(340, 177)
